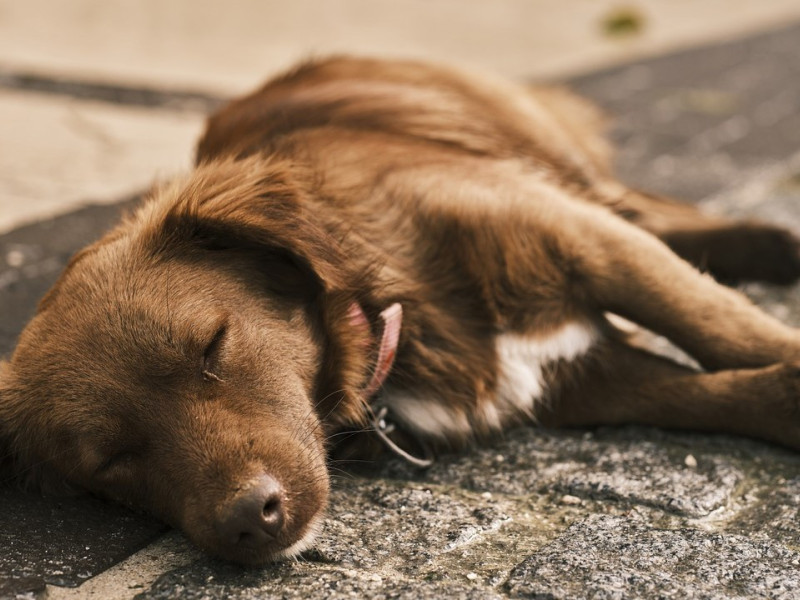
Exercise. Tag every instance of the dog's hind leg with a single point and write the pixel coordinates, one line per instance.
(618, 384)
(730, 250)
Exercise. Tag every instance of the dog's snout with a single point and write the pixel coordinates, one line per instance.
(255, 516)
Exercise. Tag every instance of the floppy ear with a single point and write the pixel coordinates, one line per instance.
(256, 203)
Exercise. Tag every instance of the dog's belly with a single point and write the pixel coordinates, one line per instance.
(522, 361)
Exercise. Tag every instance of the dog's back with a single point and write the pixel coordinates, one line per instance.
(410, 102)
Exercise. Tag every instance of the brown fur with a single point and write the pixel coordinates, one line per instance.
(205, 341)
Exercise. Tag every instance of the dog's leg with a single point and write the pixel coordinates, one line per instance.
(618, 384)
(611, 265)
(730, 250)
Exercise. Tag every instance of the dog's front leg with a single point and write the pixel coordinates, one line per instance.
(616, 267)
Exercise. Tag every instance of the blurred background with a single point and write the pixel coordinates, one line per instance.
(227, 45)
(98, 97)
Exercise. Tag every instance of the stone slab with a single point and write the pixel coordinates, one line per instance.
(776, 514)
(701, 122)
(621, 558)
(204, 581)
(636, 466)
(380, 539)
(133, 575)
(426, 536)
(32, 257)
(64, 541)
(59, 154)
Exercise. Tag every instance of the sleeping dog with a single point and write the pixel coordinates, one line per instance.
(424, 255)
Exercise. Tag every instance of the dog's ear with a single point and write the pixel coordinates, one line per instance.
(258, 204)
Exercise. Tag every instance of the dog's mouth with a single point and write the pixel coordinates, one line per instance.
(306, 541)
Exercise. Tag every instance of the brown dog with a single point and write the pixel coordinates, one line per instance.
(197, 360)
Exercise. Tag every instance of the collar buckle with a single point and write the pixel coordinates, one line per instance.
(383, 427)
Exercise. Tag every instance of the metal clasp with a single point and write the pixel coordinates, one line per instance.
(383, 427)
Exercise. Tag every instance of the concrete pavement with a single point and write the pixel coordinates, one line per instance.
(61, 153)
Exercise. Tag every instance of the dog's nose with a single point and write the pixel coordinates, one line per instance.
(255, 516)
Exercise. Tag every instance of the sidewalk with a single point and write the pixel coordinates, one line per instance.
(626, 513)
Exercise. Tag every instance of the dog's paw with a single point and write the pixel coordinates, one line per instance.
(742, 252)
(783, 406)
(761, 253)
(776, 254)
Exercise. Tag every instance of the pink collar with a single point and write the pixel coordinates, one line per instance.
(391, 320)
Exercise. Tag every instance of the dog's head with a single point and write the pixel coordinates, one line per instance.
(185, 363)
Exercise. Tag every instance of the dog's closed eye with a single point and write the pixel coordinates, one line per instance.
(211, 355)
(118, 460)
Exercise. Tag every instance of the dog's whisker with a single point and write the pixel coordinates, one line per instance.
(319, 423)
(345, 433)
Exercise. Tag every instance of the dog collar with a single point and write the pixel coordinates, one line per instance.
(391, 321)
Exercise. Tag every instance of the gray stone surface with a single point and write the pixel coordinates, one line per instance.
(382, 539)
(693, 123)
(774, 515)
(65, 541)
(31, 258)
(442, 533)
(613, 513)
(617, 557)
(633, 465)
(302, 581)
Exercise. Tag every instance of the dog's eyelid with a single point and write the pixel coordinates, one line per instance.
(209, 376)
(211, 353)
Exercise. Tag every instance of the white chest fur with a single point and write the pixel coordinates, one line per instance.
(522, 360)
(521, 383)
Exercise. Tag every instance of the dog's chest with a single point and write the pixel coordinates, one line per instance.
(522, 363)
